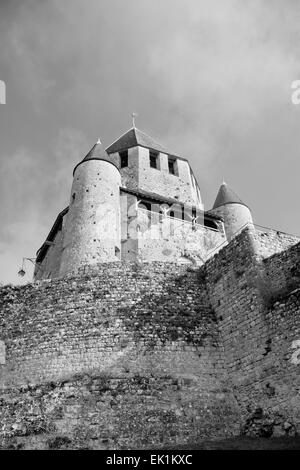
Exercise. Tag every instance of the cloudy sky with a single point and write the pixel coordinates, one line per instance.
(210, 79)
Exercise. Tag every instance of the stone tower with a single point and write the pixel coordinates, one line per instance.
(133, 201)
(92, 226)
(233, 211)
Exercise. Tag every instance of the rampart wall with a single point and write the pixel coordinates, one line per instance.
(137, 345)
(269, 242)
(260, 329)
(131, 355)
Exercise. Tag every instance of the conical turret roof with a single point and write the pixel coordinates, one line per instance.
(97, 152)
(226, 195)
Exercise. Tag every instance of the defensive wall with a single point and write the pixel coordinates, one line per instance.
(133, 355)
(145, 236)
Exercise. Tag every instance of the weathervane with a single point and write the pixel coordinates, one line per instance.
(134, 115)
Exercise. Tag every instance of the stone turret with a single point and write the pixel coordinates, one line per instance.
(231, 208)
(92, 227)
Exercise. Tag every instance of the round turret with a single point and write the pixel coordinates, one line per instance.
(92, 228)
(235, 213)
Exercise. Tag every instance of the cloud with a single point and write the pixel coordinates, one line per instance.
(34, 188)
(209, 79)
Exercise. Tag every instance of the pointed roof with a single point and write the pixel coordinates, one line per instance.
(97, 152)
(134, 137)
(226, 195)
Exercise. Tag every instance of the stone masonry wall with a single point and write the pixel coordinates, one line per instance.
(121, 354)
(260, 334)
(92, 226)
(270, 242)
(129, 174)
(128, 355)
(160, 181)
(282, 271)
(138, 175)
(51, 263)
(152, 237)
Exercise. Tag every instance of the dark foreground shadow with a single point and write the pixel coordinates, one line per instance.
(243, 443)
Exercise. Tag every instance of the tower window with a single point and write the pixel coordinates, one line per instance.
(153, 157)
(145, 205)
(210, 224)
(172, 164)
(124, 158)
(73, 197)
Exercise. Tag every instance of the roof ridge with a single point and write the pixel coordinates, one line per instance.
(147, 135)
(135, 137)
(122, 135)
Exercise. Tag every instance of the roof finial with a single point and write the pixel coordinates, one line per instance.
(224, 182)
(98, 141)
(134, 115)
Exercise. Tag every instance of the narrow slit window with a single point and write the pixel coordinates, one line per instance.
(172, 164)
(153, 156)
(123, 158)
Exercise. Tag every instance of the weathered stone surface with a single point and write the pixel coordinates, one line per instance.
(132, 355)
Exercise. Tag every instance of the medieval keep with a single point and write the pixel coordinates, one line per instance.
(151, 322)
(137, 201)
